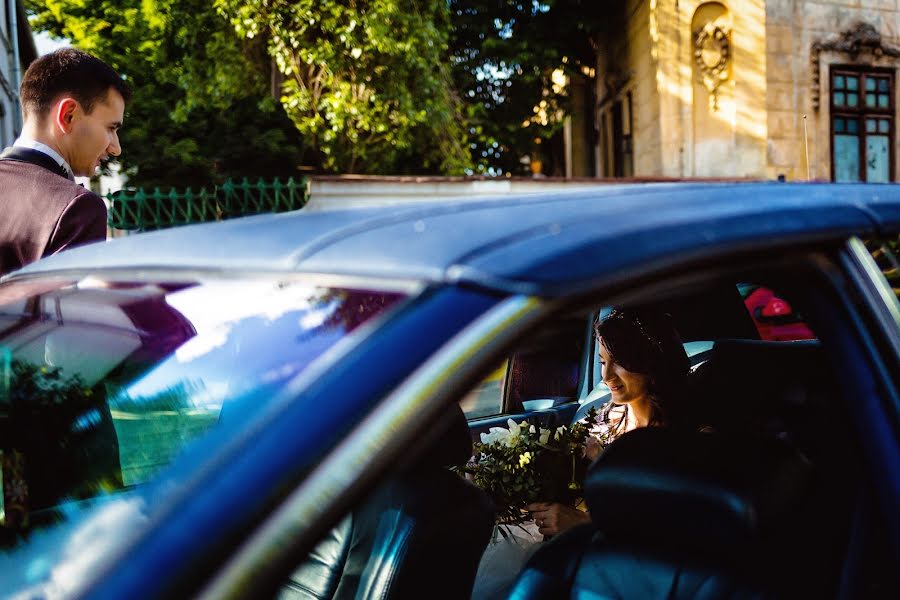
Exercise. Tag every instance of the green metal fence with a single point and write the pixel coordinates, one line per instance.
(142, 210)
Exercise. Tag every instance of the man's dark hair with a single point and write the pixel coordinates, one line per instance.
(68, 71)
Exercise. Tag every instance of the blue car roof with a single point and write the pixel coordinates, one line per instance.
(545, 244)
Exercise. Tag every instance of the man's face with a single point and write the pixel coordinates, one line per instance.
(94, 137)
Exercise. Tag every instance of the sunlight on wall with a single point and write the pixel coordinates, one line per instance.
(682, 128)
(704, 135)
(696, 116)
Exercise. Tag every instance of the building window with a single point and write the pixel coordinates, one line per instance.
(862, 125)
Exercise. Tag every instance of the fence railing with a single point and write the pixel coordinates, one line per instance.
(142, 210)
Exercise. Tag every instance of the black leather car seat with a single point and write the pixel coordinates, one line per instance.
(675, 515)
(421, 535)
(788, 390)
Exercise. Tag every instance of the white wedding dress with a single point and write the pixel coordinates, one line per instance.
(504, 557)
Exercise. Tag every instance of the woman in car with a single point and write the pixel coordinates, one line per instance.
(644, 364)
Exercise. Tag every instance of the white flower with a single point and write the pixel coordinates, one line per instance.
(545, 436)
(532, 429)
(559, 432)
(500, 436)
(496, 435)
(515, 430)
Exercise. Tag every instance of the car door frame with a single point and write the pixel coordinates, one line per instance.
(879, 332)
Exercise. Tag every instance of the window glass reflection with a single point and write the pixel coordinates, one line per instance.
(102, 383)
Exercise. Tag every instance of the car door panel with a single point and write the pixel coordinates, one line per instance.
(547, 418)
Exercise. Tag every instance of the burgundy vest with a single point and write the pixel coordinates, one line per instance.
(42, 212)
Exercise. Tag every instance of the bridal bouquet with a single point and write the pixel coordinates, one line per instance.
(521, 464)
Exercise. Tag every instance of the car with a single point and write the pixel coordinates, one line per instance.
(267, 407)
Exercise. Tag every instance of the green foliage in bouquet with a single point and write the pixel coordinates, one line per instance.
(521, 464)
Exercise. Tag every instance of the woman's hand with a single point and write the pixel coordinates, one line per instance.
(553, 517)
(592, 448)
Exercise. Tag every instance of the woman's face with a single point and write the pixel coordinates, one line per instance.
(626, 386)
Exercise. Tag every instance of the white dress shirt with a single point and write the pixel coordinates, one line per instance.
(24, 142)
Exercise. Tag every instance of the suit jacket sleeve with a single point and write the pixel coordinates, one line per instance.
(83, 221)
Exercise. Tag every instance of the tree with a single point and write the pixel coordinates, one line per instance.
(202, 110)
(367, 82)
(505, 54)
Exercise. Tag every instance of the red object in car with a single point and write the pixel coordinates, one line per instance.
(774, 317)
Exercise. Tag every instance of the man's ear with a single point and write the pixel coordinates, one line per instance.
(64, 114)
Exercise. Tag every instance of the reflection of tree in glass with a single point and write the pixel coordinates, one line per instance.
(64, 431)
(174, 398)
(153, 428)
(356, 307)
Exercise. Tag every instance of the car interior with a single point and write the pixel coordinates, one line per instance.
(765, 499)
(382, 549)
(791, 524)
(801, 485)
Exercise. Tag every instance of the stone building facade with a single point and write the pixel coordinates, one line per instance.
(744, 88)
(17, 50)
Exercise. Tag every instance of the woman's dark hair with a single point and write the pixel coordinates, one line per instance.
(646, 342)
(68, 71)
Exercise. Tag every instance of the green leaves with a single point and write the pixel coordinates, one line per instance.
(504, 56)
(367, 83)
(369, 86)
(521, 464)
(201, 110)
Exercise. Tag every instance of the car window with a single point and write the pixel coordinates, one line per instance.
(104, 382)
(486, 398)
(544, 371)
(774, 316)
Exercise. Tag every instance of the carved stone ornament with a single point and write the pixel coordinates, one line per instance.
(712, 55)
(859, 39)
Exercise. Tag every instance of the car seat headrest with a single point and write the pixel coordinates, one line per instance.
(452, 443)
(691, 488)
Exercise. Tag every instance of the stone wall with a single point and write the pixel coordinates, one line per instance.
(724, 135)
(750, 87)
(678, 132)
(792, 27)
(756, 127)
(627, 64)
(8, 92)
(642, 62)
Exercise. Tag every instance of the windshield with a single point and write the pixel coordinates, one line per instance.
(103, 382)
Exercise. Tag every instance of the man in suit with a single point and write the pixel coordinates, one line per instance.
(73, 105)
